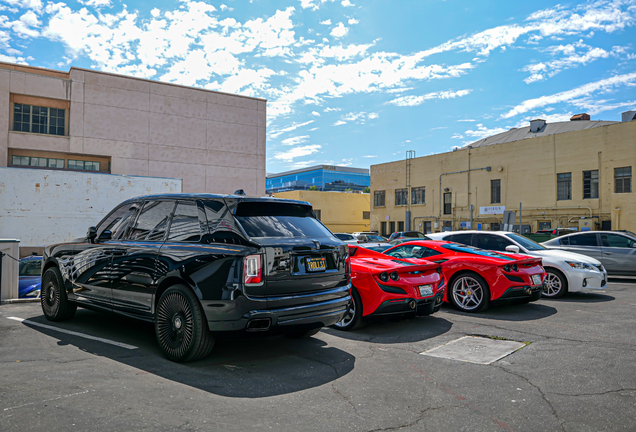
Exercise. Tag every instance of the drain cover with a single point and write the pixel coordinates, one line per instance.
(474, 349)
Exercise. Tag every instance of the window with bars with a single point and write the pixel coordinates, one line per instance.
(564, 186)
(366, 215)
(83, 165)
(590, 184)
(495, 191)
(379, 198)
(38, 119)
(400, 197)
(418, 195)
(448, 203)
(623, 180)
(39, 162)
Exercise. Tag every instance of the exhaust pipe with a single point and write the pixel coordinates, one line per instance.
(412, 304)
(259, 324)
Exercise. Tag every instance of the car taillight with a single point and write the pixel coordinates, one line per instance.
(252, 269)
(348, 266)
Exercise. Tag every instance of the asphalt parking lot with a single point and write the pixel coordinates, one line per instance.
(576, 373)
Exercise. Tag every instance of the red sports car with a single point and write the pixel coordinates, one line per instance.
(476, 276)
(385, 286)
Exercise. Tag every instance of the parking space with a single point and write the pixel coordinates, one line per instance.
(575, 372)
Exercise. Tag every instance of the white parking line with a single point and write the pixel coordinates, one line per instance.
(85, 336)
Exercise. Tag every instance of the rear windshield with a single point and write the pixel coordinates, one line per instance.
(375, 238)
(266, 219)
(413, 234)
(344, 237)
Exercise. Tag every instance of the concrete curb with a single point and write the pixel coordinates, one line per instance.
(24, 300)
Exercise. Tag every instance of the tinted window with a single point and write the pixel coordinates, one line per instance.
(412, 251)
(118, 221)
(373, 238)
(344, 237)
(613, 240)
(185, 223)
(30, 267)
(475, 251)
(413, 234)
(491, 242)
(583, 240)
(152, 222)
(267, 219)
(526, 242)
(459, 238)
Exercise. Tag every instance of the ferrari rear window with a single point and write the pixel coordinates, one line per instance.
(475, 251)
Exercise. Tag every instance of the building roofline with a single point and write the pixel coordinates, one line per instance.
(317, 167)
(67, 75)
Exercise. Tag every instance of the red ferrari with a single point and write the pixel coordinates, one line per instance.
(385, 286)
(475, 276)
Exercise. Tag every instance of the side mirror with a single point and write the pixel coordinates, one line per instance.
(512, 248)
(105, 235)
(91, 234)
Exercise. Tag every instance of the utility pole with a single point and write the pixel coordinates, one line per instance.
(410, 154)
(520, 219)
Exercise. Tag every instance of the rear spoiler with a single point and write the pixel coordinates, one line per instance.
(525, 261)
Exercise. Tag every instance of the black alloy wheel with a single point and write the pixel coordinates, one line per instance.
(55, 303)
(180, 326)
(353, 318)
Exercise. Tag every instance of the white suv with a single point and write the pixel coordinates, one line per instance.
(567, 271)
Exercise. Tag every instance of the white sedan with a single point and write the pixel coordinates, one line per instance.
(567, 271)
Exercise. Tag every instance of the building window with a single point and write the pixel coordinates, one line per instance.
(495, 191)
(37, 119)
(378, 198)
(545, 225)
(83, 165)
(400, 226)
(383, 229)
(391, 227)
(448, 203)
(366, 215)
(564, 186)
(590, 184)
(401, 196)
(418, 196)
(623, 180)
(37, 162)
(318, 214)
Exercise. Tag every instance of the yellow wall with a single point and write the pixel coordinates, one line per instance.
(528, 173)
(339, 211)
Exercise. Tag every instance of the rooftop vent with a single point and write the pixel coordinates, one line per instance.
(537, 125)
(577, 117)
(629, 116)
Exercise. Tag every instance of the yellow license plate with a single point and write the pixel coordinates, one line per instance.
(315, 264)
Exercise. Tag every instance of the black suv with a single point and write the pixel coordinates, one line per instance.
(199, 264)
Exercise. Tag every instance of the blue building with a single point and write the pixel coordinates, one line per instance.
(324, 177)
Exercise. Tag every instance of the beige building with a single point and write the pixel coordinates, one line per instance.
(85, 120)
(567, 174)
(341, 212)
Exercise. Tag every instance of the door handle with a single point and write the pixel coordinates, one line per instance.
(608, 253)
(115, 251)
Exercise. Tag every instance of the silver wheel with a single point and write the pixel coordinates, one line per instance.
(348, 318)
(468, 293)
(554, 285)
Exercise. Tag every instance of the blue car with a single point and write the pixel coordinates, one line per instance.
(30, 277)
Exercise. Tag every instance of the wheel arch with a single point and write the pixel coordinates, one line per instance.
(555, 268)
(167, 283)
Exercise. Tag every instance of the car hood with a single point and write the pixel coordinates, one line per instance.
(565, 255)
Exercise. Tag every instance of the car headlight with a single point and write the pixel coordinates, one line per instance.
(580, 265)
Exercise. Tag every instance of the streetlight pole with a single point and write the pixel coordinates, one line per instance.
(410, 154)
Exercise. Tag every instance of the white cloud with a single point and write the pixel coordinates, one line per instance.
(483, 132)
(339, 31)
(418, 100)
(353, 21)
(296, 140)
(346, 3)
(25, 27)
(315, 113)
(369, 156)
(36, 5)
(326, 22)
(95, 3)
(297, 152)
(277, 132)
(329, 109)
(356, 117)
(339, 123)
(571, 95)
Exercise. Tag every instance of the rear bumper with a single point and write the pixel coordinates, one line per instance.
(521, 292)
(419, 307)
(317, 309)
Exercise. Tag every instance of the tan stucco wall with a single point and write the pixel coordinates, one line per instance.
(215, 142)
(527, 170)
(340, 211)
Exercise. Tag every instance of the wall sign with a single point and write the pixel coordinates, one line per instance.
(492, 210)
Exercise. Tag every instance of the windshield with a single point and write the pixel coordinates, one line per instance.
(526, 242)
(375, 238)
(413, 234)
(268, 219)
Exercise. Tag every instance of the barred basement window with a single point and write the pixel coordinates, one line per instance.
(366, 215)
(83, 165)
(400, 197)
(590, 184)
(564, 186)
(38, 119)
(37, 162)
(495, 191)
(623, 180)
(378, 198)
(418, 195)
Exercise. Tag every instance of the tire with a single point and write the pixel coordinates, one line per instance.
(353, 319)
(53, 298)
(469, 292)
(180, 326)
(303, 334)
(555, 285)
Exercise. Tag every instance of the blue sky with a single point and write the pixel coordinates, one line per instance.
(354, 82)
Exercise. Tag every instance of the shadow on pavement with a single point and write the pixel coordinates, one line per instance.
(244, 368)
(403, 331)
(579, 297)
(509, 312)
